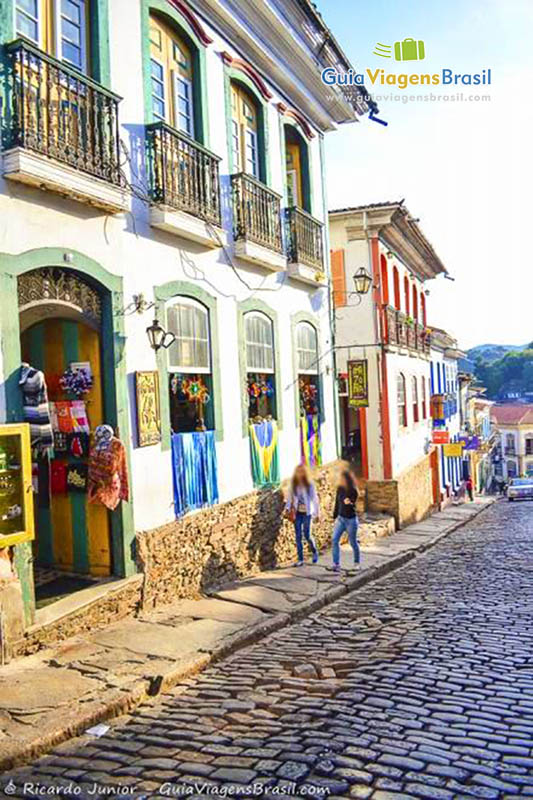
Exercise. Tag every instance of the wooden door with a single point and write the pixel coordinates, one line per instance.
(71, 533)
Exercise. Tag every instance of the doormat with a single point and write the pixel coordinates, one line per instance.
(60, 587)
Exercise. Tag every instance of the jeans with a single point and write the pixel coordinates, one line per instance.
(350, 525)
(302, 527)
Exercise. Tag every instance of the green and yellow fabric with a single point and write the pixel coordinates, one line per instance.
(264, 453)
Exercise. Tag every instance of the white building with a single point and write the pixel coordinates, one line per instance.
(390, 437)
(198, 198)
(445, 403)
(514, 425)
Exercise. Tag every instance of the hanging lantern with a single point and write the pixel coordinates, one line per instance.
(158, 336)
(362, 281)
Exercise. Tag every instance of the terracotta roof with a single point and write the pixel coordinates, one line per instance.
(519, 414)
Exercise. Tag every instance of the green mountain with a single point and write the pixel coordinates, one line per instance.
(493, 352)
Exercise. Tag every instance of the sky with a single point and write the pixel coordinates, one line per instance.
(465, 169)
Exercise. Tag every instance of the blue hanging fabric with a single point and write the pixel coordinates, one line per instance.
(194, 471)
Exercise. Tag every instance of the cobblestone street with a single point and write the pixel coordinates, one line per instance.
(417, 686)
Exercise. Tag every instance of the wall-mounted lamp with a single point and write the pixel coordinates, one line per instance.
(362, 281)
(158, 336)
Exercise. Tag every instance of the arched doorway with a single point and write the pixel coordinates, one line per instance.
(61, 319)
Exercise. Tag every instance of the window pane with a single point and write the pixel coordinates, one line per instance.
(71, 10)
(30, 6)
(307, 347)
(71, 53)
(70, 32)
(190, 326)
(157, 70)
(259, 343)
(27, 27)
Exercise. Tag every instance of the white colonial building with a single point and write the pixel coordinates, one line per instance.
(389, 437)
(163, 160)
(514, 425)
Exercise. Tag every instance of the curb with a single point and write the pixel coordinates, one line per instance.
(156, 685)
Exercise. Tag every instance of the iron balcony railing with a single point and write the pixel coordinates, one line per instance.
(398, 331)
(256, 212)
(184, 175)
(304, 238)
(54, 110)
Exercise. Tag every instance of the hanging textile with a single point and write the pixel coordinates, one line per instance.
(311, 440)
(194, 471)
(35, 407)
(108, 471)
(264, 453)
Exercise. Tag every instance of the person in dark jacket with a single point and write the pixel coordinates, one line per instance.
(345, 516)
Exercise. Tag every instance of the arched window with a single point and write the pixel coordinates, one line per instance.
(509, 443)
(60, 28)
(406, 296)
(402, 401)
(423, 310)
(424, 399)
(307, 363)
(396, 279)
(172, 75)
(297, 169)
(190, 367)
(415, 303)
(384, 280)
(260, 365)
(244, 131)
(414, 389)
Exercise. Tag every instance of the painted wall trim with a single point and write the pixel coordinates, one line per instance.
(304, 316)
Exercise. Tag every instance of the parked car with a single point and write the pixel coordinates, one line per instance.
(520, 489)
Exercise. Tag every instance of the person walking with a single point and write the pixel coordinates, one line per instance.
(301, 506)
(345, 516)
(470, 488)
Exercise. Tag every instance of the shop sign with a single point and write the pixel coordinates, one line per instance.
(453, 450)
(441, 437)
(470, 442)
(148, 408)
(358, 383)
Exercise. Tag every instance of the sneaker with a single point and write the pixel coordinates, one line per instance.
(315, 558)
(299, 564)
(336, 568)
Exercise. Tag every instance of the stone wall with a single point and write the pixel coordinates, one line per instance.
(408, 499)
(226, 542)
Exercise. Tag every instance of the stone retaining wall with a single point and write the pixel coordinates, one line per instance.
(409, 498)
(226, 542)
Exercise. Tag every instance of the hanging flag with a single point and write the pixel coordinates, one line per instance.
(358, 383)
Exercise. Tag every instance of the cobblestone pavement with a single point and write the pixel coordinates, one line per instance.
(417, 686)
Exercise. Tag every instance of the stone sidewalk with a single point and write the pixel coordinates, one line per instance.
(58, 693)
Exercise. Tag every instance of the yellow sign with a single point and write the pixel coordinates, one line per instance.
(148, 411)
(16, 491)
(453, 450)
(358, 383)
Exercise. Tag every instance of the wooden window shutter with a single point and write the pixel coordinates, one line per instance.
(338, 278)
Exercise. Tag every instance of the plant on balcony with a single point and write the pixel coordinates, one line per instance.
(409, 321)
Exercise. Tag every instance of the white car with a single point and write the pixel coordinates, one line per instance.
(520, 489)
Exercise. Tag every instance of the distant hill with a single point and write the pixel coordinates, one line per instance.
(493, 352)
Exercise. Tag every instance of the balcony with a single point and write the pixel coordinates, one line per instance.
(404, 334)
(184, 186)
(61, 130)
(257, 223)
(304, 242)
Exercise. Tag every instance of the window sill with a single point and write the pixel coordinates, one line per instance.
(259, 255)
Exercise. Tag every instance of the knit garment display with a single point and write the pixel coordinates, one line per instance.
(108, 472)
(35, 406)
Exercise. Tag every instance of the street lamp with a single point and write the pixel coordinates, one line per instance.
(362, 281)
(158, 336)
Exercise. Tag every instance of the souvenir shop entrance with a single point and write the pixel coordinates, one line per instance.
(60, 317)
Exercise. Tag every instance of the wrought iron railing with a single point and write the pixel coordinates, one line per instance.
(183, 174)
(256, 212)
(304, 238)
(401, 329)
(390, 328)
(53, 109)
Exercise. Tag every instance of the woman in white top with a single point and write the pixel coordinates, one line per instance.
(301, 505)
